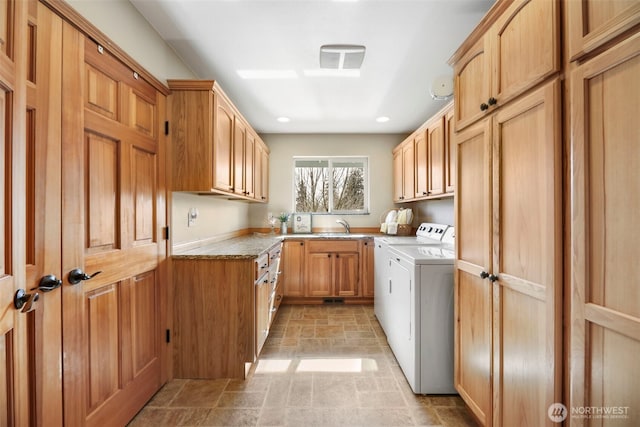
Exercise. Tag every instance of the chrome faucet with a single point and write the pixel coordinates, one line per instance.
(345, 224)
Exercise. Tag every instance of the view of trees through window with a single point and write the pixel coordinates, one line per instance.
(331, 185)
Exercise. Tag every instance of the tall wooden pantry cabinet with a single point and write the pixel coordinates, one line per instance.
(604, 159)
(547, 299)
(508, 331)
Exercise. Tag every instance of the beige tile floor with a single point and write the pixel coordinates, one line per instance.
(321, 366)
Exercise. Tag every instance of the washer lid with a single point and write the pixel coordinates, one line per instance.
(425, 254)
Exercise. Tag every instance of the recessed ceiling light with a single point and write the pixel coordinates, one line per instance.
(330, 72)
(382, 119)
(267, 74)
(283, 119)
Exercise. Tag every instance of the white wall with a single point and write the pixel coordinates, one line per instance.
(439, 211)
(285, 146)
(216, 216)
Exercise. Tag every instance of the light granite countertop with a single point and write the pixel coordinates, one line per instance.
(253, 245)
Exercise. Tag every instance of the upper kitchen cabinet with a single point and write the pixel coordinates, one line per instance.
(423, 164)
(505, 60)
(592, 23)
(214, 149)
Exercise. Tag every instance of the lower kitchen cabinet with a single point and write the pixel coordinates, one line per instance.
(315, 269)
(367, 271)
(223, 309)
(293, 268)
(332, 268)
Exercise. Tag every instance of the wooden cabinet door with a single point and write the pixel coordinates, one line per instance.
(435, 144)
(408, 172)
(592, 23)
(14, 354)
(257, 171)
(346, 271)
(263, 290)
(293, 267)
(249, 164)
(472, 77)
(421, 164)
(604, 291)
(473, 294)
(449, 152)
(43, 220)
(397, 175)
(112, 213)
(260, 171)
(367, 274)
(527, 258)
(319, 274)
(239, 141)
(525, 48)
(223, 122)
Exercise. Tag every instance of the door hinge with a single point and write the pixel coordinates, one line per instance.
(166, 232)
(168, 336)
(166, 127)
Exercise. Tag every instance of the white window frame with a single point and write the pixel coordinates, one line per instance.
(331, 159)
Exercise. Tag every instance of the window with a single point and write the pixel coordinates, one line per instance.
(331, 185)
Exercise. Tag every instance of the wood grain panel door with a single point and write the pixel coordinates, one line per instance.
(43, 221)
(421, 164)
(223, 122)
(346, 272)
(14, 390)
(605, 194)
(239, 153)
(450, 157)
(592, 23)
(112, 210)
(319, 274)
(472, 77)
(527, 259)
(435, 144)
(293, 268)
(473, 302)
(520, 60)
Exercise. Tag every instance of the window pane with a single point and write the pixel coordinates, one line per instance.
(348, 186)
(330, 185)
(312, 186)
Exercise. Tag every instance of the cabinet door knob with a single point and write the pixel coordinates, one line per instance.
(484, 275)
(493, 277)
(484, 107)
(492, 101)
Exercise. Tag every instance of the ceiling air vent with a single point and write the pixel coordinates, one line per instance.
(341, 56)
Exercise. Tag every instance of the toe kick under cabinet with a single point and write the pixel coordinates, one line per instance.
(223, 309)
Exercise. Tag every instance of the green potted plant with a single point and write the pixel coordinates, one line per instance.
(283, 218)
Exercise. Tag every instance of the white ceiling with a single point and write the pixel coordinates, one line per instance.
(408, 45)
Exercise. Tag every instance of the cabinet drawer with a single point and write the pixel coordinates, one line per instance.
(274, 254)
(261, 266)
(332, 246)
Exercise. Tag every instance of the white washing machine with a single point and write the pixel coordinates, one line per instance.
(427, 234)
(419, 316)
